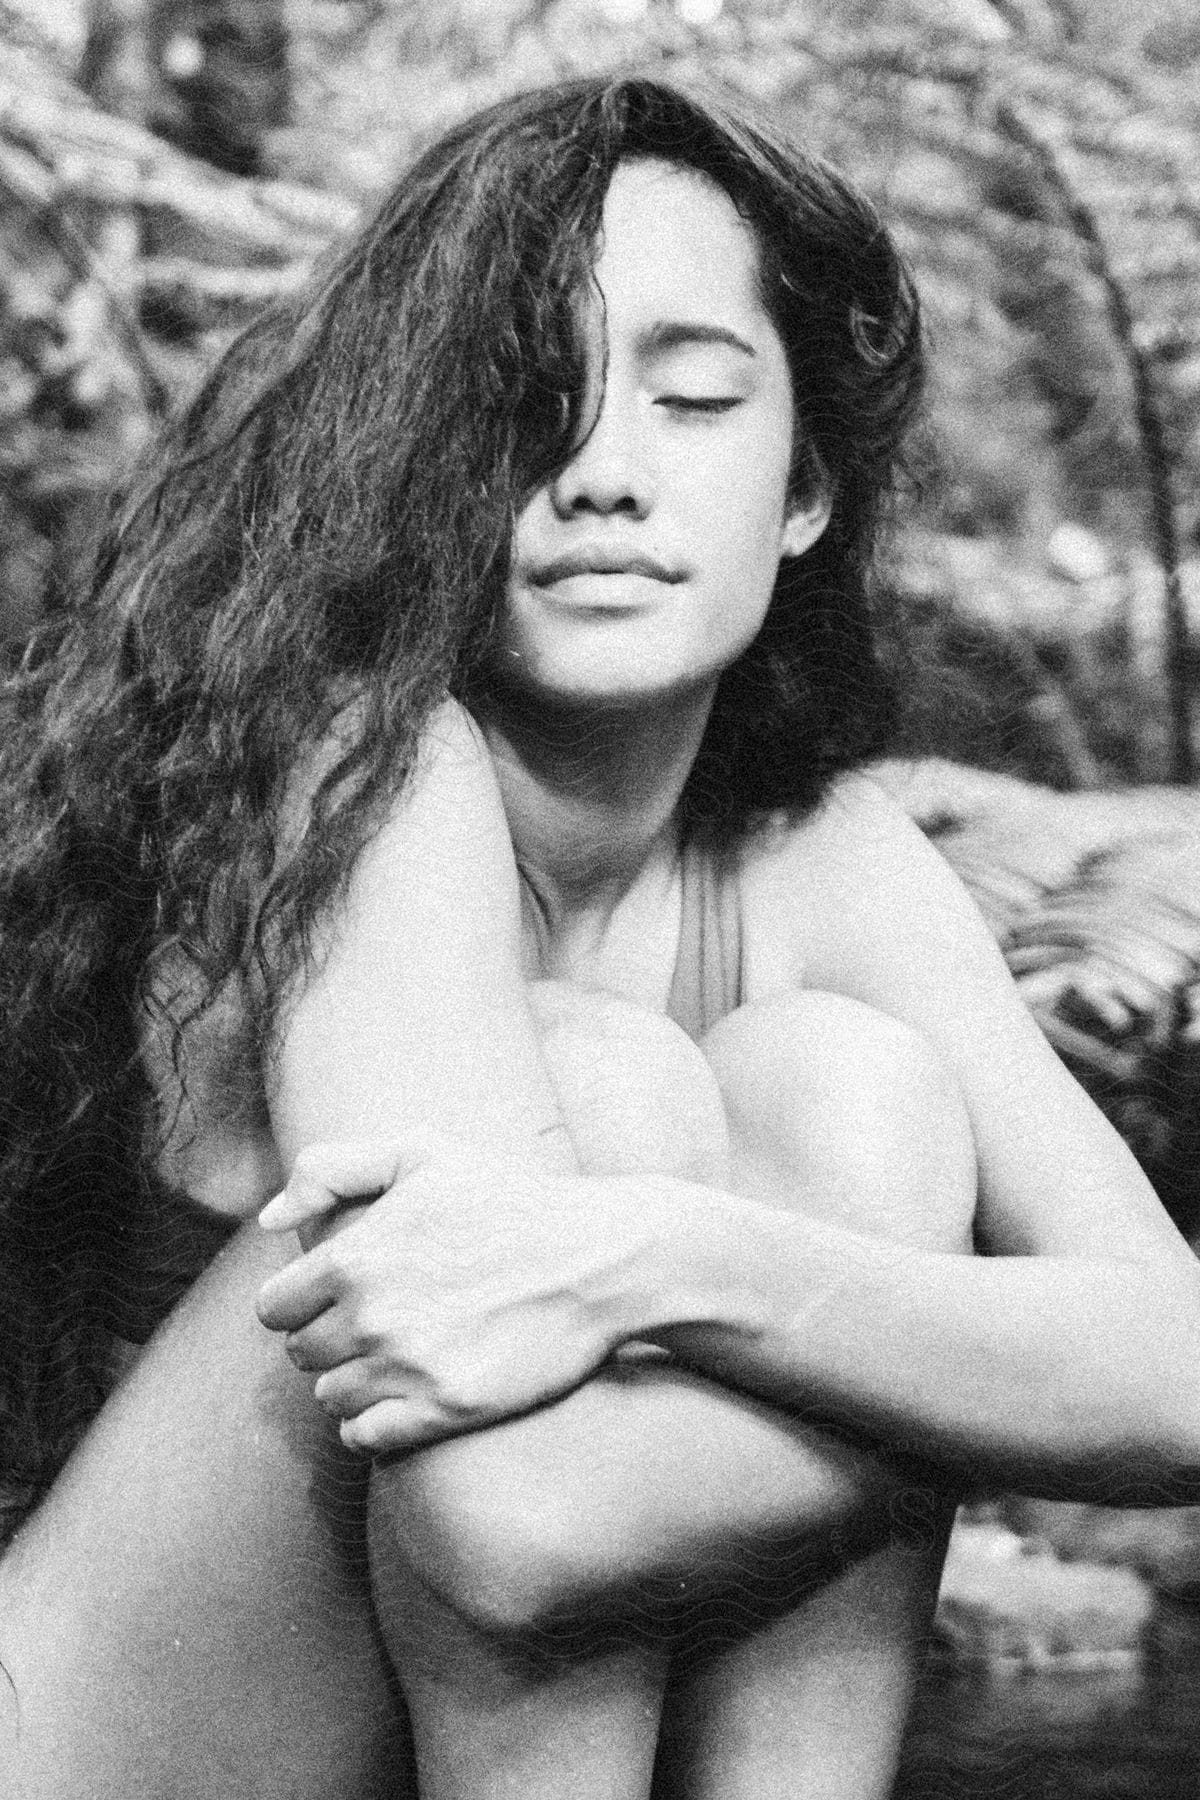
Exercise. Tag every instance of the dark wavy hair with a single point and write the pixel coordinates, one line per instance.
(317, 554)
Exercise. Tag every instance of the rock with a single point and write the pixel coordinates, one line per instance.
(1010, 1604)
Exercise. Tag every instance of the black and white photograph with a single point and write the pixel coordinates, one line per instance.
(599, 900)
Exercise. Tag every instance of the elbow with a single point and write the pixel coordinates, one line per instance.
(511, 1562)
(517, 1578)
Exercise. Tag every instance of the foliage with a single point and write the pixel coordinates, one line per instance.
(1093, 899)
(123, 266)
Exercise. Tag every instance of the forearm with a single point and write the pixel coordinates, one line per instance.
(644, 1493)
(1070, 1376)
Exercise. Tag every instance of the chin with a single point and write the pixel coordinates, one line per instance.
(618, 683)
(630, 693)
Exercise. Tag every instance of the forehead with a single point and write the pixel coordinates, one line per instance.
(673, 244)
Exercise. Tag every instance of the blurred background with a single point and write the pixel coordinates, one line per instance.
(168, 165)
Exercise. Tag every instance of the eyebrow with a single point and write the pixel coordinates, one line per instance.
(674, 334)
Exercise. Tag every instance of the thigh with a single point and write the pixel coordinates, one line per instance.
(186, 1617)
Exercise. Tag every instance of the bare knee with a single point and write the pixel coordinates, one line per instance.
(636, 1094)
(505, 1556)
(848, 1114)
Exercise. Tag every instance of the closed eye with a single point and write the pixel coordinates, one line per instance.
(699, 403)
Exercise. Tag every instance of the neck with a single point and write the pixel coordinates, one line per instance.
(592, 794)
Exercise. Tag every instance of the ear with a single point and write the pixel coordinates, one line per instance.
(806, 520)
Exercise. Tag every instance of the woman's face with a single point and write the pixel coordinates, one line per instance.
(646, 566)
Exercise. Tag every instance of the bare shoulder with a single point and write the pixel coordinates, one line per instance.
(453, 769)
(856, 823)
(874, 912)
(850, 887)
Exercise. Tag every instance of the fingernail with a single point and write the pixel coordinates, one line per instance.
(276, 1215)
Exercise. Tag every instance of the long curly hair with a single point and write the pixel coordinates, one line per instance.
(317, 554)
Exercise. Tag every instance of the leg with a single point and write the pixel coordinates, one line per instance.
(494, 1710)
(498, 1714)
(187, 1615)
(812, 1703)
(628, 1501)
(848, 1115)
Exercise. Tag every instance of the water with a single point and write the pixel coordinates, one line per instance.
(1127, 1735)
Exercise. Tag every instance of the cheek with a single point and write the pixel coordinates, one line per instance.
(744, 523)
(752, 480)
(743, 531)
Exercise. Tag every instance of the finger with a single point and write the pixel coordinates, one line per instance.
(288, 1209)
(323, 1344)
(298, 1294)
(392, 1425)
(323, 1175)
(322, 1231)
(356, 1384)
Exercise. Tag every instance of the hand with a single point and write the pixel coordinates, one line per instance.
(469, 1289)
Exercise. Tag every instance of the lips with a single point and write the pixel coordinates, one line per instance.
(602, 560)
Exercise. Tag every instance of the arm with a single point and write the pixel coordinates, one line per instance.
(417, 1013)
(758, 1300)
(1063, 1361)
(415, 1021)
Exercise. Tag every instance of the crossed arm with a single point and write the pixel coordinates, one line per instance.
(420, 1012)
(490, 1281)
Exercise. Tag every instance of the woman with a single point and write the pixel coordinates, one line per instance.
(446, 798)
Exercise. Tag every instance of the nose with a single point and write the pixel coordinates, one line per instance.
(611, 470)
